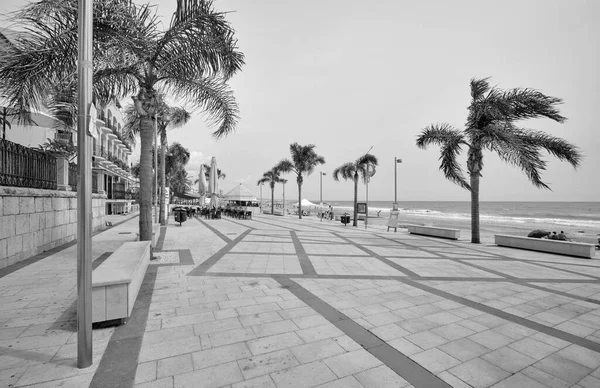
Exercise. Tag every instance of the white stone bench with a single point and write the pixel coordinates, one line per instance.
(434, 231)
(117, 281)
(568, 248)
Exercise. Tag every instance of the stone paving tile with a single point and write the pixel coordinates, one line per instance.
(264, 381)
(231, 336)
(317, 350)
(563, 368)
(380, 377)
(435, 360)
(267, 363)
(274, 342)
(479, 373)
(174, 365)
(350, 363)
(220, 355)
(306, 375)
(211, 377)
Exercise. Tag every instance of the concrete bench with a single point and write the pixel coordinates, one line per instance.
(568, 248)
(117, 281)
(453, 234)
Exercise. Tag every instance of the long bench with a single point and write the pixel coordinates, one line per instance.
(568, 248)
(453, 234)
(117, 281)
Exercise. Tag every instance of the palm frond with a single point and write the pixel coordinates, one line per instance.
(345, 171)
(286, 166)
(212, 95)
(479, 86)
(199, 43)
(450, 141)
(519, 104)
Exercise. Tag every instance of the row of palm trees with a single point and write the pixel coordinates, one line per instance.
(491, 126)
(192, 61)
(304, 159)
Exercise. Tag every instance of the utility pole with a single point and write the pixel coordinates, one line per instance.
(84, 189)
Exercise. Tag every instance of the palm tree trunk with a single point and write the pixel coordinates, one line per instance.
(355, 221)
(299, 200)
(161, 172)
(146, 178)
(475, 208)
(272, 200)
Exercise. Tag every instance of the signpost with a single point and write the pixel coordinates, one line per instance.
(362, 208)
(393, 220)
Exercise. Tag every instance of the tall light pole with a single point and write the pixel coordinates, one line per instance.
(368, 178)
(84, 187)
(284, 181)
(396, 161)
(321, 186)
(260, 206)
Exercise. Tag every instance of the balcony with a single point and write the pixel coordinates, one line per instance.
(64, 137)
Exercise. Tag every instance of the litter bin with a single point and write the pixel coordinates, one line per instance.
(180, 215)
(345, 218)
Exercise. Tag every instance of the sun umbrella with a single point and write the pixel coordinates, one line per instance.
(212, 182)
(202, 184)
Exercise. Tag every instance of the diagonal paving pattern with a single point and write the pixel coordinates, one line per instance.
(280, 302)
(315, 304)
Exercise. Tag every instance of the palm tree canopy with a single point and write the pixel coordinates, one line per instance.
(357, 169)
(491, 126)
(271, 177)
(192, 60)
(304, 160)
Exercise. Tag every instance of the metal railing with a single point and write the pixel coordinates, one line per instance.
(73, 176)
(25, 167)
(63, 137)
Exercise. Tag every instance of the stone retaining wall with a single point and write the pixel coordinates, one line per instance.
(33, 221)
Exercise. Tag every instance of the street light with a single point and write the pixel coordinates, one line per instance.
(396, 161)
(368, 178)
(260, 206)
(321, 186)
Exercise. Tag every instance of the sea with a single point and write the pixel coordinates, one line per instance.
(571, 215)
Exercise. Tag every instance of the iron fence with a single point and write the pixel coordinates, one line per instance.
(25, 167)
(73, 176)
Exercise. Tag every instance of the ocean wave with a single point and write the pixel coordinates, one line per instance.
(566, 222)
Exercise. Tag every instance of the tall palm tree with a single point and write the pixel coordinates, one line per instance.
(272, 177)
(491, 126)
(168, 117)
(363, 167)
(175, 161)
(191, 60)
(304, 160)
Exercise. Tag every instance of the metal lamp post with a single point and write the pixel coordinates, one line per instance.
(367, 190)
(155, 168)
(396, 161)
(284, 181)
(321, 186)
(260, 206)
(84, 190)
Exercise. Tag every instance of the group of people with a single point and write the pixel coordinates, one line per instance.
(560, 236)
(327, 214)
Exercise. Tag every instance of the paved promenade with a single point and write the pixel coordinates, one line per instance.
(279, 302)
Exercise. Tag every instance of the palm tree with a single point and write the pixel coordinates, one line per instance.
(272, 177)
(363, 167)
(304, 160)
(176, 159)
(190, 61)
(167, 118)
(491, 126)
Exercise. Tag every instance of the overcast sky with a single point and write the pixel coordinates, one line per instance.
(347, 75)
